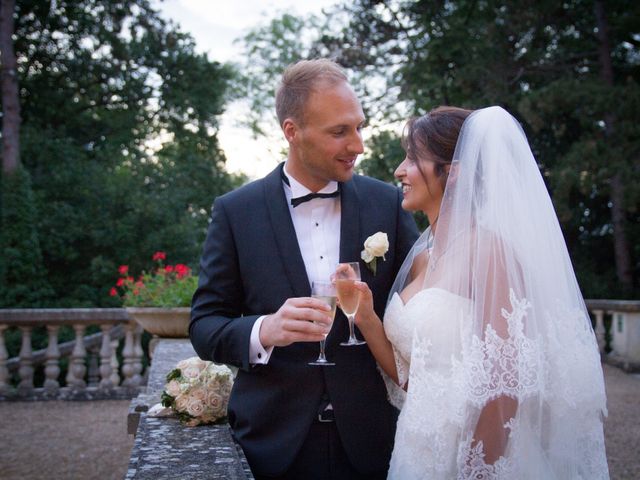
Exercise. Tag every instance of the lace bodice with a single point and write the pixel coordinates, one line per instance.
(405, 324)
(452, 373)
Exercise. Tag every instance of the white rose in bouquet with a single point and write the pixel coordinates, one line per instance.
(173, 388)
(198, 391)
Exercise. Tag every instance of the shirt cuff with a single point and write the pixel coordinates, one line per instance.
(257, 353)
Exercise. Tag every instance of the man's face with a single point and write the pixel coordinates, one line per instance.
(326, 144)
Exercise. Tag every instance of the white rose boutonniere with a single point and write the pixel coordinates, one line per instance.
(198, 391)
(375, 246)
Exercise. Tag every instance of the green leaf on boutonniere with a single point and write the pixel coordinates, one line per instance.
(373, 265)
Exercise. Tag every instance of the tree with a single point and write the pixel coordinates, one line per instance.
(119, 136)
(10, 98)
(22, 275)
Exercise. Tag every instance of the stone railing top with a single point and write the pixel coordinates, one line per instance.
(62, 316)
(164, 448)
(613, 305)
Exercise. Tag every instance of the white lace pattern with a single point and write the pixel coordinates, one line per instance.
(453, 373)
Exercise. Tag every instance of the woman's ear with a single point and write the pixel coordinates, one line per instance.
(451, 171)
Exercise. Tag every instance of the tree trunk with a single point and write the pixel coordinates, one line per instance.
(10, 95)
(618, 213)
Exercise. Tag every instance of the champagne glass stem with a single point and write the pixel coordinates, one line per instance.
(352, 333)
(321, 357)
(353, 340)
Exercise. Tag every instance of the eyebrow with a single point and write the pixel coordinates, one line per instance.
(345, 125)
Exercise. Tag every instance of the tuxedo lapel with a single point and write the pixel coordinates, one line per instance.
(349, 223)
(285, 234)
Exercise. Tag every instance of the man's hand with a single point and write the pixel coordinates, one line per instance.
(294, 322)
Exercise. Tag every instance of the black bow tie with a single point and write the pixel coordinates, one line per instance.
(310, 196)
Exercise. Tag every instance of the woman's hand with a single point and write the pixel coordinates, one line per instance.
(371, 328)
(365, 316)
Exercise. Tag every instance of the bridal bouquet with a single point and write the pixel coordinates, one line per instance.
(198, 391)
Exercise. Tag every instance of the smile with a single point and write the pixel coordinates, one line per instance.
(348, 162)
(406, 188)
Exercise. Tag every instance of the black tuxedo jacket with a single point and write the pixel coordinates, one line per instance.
(251, 264)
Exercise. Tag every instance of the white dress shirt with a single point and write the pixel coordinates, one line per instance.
(317, 226)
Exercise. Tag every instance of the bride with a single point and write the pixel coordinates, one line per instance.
(486, 345)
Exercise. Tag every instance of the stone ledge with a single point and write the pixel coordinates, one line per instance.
(164, 448)
(70, 393)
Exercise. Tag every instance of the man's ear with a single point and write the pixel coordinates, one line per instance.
(290, 129)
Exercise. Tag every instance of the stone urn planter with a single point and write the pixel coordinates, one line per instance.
(162, 322)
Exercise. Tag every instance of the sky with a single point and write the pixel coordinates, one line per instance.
(215, 24)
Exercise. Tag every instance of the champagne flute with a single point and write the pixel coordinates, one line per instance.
(345, 277)
(326, 292)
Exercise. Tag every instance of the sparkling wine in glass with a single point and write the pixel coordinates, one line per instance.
(326, 292)
(346, 275)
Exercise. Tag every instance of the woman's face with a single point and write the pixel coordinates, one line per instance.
(422, 187)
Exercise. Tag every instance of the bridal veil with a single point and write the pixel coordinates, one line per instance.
(526, 378)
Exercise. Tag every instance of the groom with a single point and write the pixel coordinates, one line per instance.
(266, 243)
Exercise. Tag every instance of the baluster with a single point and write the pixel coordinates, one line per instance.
(52, 366)
(105, 358)
(138, 353)
(25, 387)
(4, 371)
(128, 354)
(77, 368)
(115, 377)
(93, 372)
(599, 330)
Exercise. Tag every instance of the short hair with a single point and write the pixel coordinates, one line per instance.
(299, 80)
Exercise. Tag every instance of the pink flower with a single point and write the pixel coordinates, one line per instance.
(159, 256)
(123, 269)
(120, 282)
(168, 268)
(113, 292)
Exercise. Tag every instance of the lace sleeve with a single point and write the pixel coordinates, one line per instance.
(503, 362)
(396, 393)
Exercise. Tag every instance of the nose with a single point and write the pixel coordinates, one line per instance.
(401, 169)
(355, 145)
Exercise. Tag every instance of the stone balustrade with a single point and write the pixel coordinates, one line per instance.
(93, 367)
(618, 338)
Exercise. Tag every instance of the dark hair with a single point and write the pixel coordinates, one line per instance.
(299, 80)
(434, 134)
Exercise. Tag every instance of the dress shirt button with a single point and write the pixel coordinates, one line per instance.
(259, 355)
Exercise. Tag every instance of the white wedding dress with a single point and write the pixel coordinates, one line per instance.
(447, 367)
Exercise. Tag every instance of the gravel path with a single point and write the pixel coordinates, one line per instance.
(88, 440)
(622, 426)
(64, 440)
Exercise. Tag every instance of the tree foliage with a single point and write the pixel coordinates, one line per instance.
(544, 62)
(119, 135)
(22, 273)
